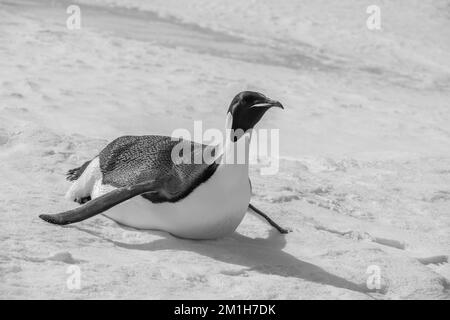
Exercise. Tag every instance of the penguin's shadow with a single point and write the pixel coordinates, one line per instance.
(264, 255)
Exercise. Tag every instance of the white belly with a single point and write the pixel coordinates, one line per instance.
(214, 209)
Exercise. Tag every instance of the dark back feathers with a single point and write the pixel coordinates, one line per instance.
(129, 160)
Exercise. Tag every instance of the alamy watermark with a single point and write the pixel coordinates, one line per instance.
(73, 22)
(73, 281)
(373, 22)
(229, 148)
(373, 281)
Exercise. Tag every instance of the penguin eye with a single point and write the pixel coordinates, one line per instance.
(248, 100)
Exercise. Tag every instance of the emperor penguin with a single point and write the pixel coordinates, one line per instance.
(138, 182)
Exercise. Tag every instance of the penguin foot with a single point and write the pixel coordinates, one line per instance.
(282, 230)
(75, 173)
(82, 200)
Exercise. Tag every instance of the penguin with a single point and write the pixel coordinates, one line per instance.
(136, 181)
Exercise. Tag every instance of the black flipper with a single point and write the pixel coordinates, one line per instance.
(74, 174)
(100, 204)
(270, 221)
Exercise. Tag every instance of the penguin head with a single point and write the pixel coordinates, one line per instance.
(247, 108)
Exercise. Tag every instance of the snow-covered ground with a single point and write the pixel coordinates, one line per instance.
(365, 175)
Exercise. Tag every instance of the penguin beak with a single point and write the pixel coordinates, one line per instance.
(268, 104)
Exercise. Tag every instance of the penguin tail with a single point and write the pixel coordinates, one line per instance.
(100, 204)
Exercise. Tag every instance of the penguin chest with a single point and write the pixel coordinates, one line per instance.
(218, 205)
(213, 209)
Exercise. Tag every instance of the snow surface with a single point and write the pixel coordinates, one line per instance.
(364, 178)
